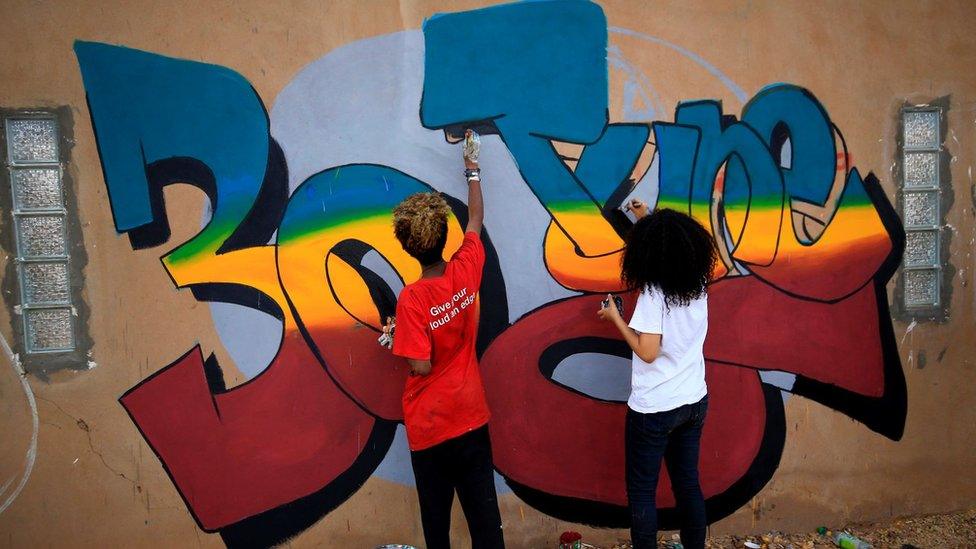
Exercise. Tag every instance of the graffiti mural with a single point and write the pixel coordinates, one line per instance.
(299, 231)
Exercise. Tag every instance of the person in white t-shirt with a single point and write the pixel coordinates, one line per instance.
(669, 257)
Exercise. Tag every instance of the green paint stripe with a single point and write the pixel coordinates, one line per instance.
(302, 228)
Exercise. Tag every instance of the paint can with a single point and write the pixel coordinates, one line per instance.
(472, 146)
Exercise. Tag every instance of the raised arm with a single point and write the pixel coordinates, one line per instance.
(476, 204)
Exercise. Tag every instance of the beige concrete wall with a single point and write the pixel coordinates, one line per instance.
(96, 483)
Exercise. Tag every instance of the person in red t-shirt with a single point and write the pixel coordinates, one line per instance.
(444, 406)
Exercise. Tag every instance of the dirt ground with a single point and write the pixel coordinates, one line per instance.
(956, 530)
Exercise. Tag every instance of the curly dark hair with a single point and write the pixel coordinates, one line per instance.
(672, 251)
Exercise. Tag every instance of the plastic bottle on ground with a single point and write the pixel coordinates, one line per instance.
(845, 540)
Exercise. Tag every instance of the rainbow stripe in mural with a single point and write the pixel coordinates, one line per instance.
(332, 221)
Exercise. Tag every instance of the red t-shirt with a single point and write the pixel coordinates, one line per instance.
(437, 320)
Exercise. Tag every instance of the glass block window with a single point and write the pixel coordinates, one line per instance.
(921, 287)
(921, 206)
(33, 162)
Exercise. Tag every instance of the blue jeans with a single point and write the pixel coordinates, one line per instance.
(674, 435)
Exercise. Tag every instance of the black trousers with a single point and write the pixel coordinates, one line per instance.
(464, 464)
(674, 435)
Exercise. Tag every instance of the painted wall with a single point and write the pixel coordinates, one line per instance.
(235, 165)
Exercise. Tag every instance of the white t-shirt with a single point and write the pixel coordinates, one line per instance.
(677, 375)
